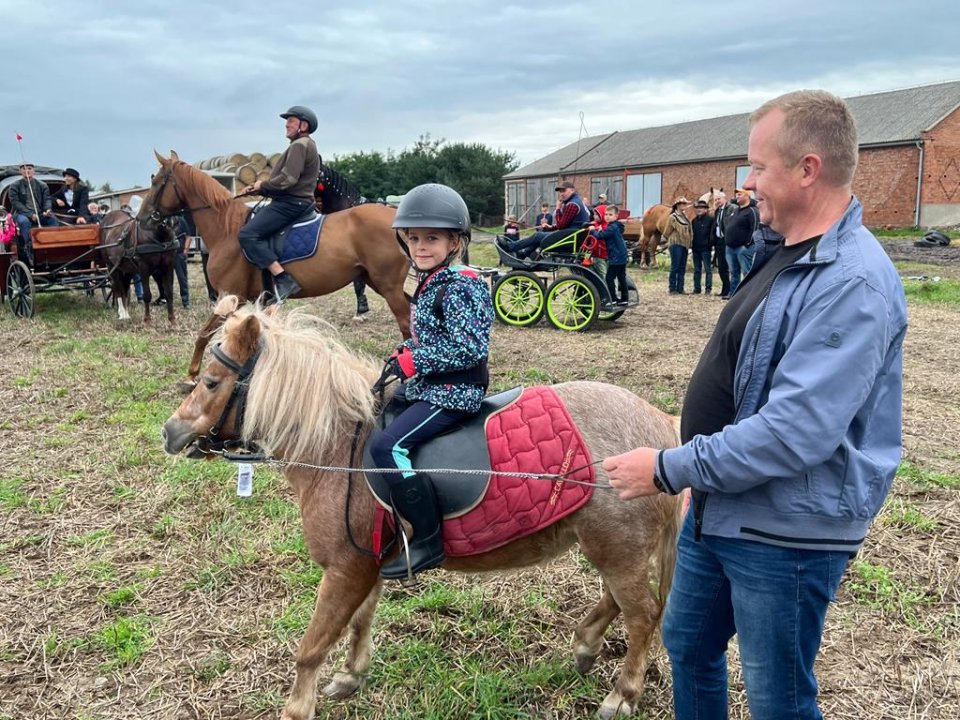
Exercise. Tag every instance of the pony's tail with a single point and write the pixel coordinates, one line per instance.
(666, 552)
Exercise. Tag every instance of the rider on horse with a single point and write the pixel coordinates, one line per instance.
(290, 189)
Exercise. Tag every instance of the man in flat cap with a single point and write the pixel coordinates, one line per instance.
(30, 201)
(70, 202)
(571, 215)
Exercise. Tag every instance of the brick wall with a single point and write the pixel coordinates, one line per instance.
(940, 196)
(886, 184)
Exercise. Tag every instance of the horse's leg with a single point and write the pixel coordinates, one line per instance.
(339, 597)
(348, 680)
(399, 306)
(359, 285)
(164, 277)
(200, 345)
(628, 583)
(588, 638)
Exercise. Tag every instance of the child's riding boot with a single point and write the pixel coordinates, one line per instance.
(414, 499)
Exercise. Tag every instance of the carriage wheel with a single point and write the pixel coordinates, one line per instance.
(20, 290)
(573, 303)
(633, 297)
(518, 299)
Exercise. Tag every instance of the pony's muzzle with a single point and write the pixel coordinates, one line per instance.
(176, 435)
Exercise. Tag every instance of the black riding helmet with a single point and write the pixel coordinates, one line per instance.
(433, 206)
(303, 113)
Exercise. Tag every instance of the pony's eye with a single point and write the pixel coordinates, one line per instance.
(210, 383)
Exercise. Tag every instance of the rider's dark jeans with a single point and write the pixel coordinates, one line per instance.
(255, 235)
(24, 242)
(526, 247)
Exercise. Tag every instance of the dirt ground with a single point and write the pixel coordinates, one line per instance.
(107, 546)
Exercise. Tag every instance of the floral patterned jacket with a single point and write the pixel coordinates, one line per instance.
(449, 335)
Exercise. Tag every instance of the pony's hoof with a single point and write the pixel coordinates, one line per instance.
(616, 706)
(185, 387)
(584, 662)
(357, 319)
(342, 686)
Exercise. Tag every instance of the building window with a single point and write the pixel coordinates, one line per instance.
(643, 192)
(610, 185)
(742, 172)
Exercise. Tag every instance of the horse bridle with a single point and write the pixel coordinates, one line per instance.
(157, 215)
(211, 442)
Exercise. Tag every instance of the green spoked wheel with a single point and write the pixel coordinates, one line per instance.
(20, 290)
(573, 303)
(633, 297)
(519, 299)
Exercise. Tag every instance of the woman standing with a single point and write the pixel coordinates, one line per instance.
(679, 235)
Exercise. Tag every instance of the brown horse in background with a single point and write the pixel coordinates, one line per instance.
(356, 242)
(629, 543)
(133, 248)
(653, 224)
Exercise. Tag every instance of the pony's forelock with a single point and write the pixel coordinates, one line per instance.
(308, 388)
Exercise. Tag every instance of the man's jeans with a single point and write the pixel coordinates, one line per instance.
(701, 263)
(24, 242)
(773, 598)
(739, 259)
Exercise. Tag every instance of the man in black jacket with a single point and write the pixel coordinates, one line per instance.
(738, 234)
(702, 242)
(70, 202)
(30, 202)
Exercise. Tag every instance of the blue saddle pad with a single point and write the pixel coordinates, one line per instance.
(301, 240)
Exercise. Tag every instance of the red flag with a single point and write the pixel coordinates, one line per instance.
(19, 137)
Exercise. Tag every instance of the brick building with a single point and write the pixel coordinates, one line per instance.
(908, 174)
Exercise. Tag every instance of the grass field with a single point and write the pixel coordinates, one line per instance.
(134, 585)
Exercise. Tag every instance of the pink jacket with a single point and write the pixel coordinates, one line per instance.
(7, 230)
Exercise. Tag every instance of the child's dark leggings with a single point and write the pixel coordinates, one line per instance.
(418, 423)
(618, 273)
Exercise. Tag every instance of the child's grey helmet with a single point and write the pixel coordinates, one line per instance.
(433, 206)
(303, 113)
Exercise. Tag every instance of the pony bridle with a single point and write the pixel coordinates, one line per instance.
(159, 215)
(211, 442)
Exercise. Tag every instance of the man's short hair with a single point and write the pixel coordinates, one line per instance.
(815, 122)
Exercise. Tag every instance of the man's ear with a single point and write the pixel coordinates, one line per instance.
(811, 165)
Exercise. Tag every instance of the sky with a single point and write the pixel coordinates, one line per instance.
(99, 86)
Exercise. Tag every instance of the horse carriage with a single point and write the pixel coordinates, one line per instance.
(564, 284)
(64, 258)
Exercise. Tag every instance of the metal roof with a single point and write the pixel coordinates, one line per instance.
(888, 118)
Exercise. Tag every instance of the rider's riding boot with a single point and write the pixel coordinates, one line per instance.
(414, 499)
(284, 286)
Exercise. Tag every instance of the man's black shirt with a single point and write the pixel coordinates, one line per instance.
(709, 403)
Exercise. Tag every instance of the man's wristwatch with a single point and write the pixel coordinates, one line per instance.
(658, 483)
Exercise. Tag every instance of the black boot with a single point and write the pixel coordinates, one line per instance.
(414, 499)
(284, 286)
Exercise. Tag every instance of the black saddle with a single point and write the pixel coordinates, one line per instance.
(462, 447)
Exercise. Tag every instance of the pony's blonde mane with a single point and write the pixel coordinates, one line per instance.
(308, 390)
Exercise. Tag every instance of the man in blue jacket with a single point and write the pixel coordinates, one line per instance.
(791, 426)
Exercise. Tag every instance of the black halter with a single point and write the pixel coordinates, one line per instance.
(212, 441)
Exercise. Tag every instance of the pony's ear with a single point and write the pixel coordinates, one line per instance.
(248, 336)
(160, 158)
(173, 155)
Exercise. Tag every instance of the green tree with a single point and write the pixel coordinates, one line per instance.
(475, 171)
(105, 188)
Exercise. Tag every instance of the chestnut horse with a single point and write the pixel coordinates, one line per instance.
(356, 242)
(133, 248)
(655, 222)
(623, 540)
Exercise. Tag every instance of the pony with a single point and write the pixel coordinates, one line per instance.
(653, 224)
(130, 248)
(264, 354)
(334, 193)
(356, 242)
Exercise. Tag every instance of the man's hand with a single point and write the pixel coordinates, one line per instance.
(81, 221)
(632, 473)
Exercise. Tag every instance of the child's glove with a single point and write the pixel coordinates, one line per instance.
(401, 363)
